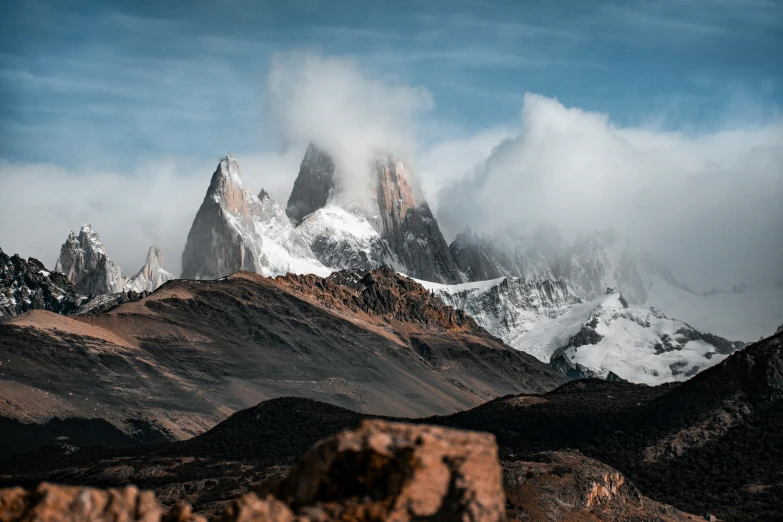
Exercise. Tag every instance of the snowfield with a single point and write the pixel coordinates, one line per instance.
(604, 334)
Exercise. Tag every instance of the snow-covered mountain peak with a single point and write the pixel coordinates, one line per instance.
(84, 261)
(601, 337)
(236, 230)
(152, 275)
(388, 199)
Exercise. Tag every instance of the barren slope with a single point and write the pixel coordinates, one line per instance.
(194, 352)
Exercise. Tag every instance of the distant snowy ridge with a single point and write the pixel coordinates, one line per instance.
(603, 337)
(590, 264)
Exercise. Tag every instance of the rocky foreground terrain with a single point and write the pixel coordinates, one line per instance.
(381, 471)
(589, 450)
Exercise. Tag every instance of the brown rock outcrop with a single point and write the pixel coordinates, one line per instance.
(53, 503)
(568, 486)
(387, 471)
(383, 293)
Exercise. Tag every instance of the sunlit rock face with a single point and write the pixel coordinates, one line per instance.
(384, 220)
(236, 230)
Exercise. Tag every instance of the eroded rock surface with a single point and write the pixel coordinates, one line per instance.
(566, 485)
(28, 285)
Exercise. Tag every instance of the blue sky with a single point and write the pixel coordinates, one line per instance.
(107, 83)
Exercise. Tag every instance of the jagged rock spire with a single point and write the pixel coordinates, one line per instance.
(236, 230)
(83, 260)
(152, 275)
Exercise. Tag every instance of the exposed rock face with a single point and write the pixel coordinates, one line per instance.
(53, 503)
(313, 186)
(589, 265)
(84, 262)
(391, 224)
(235, 230)
(560, 362)
(510, 306)
(27, 285)
(152, 274)
(388, 471)
(383, 293)
(566, 485)
(378, 471)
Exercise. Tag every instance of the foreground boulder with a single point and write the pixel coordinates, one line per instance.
(386, 471)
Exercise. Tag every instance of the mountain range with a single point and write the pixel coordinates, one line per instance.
(538, 293)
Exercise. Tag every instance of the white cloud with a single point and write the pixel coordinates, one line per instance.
(354, 117)
(709, 204)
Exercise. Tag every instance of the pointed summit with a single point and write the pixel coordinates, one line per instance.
(227, 188)
(235, 230)
(313, 185)
(152, 275)
(84, 262)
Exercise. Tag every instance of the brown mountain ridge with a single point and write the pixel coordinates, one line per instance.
(193, 352)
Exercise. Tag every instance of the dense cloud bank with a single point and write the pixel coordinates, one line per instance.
(708, 204)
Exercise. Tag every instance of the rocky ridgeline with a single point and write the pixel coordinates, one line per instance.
(383, 293)
(27, 285)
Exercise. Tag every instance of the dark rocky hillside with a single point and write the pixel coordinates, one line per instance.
(712, 445)
(28, 285)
